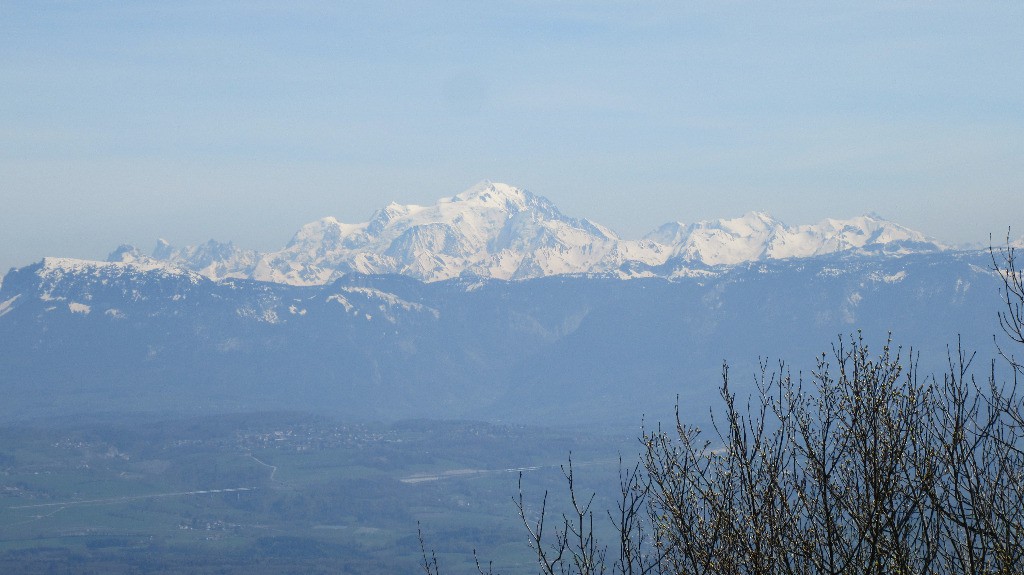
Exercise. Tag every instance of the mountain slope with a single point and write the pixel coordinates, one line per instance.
(86, 337)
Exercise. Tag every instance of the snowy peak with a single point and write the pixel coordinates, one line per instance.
(757, 235)
(213, 259)
(728, 241)
(500, 231)
(750, 224)
(491, 229)
(869, 234)
(490, 195)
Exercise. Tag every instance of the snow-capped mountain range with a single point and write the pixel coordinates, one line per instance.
(428, 328)
(499, 231)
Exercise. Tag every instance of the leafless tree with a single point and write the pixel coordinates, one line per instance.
(1011, 316)
(864, 467)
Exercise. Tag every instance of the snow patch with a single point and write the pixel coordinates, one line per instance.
(392, 301)
(266, 315)
(7, 306)
(341, 300)
(692, 273)
(81, 308)
(889, 279)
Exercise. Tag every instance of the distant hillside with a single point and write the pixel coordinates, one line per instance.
(81, 337)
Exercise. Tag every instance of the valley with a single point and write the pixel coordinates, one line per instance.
(259, 491)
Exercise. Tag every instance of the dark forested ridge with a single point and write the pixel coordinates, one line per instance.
(572, 350)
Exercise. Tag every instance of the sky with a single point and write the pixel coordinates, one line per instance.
(124, 122)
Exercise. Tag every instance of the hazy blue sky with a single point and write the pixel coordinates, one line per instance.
(122, 122)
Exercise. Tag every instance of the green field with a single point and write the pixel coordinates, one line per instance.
(280, 493)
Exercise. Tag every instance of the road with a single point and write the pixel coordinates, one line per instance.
(109, 500)
(454, 473)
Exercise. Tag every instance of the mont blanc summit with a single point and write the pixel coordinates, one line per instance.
(499, 231)
(492, 230)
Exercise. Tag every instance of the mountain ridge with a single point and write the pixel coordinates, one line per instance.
(83, 336)
(504, 232)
